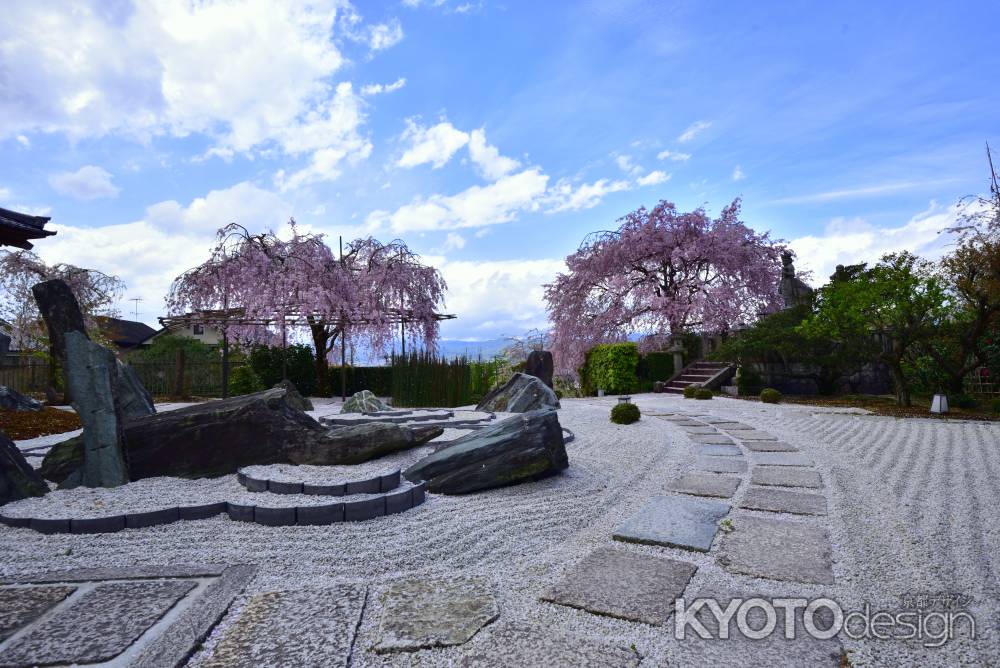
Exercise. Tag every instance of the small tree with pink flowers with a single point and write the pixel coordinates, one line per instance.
(661, 274)
(300, 281)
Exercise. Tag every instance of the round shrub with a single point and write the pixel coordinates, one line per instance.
(691, 390)
(243, 380)
(770, 395)
(624, 413)
(703, 393)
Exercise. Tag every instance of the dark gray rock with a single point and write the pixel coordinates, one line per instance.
(520, 394)
(91, 372)
(135, 399)
(294, 398)
(539, 364)
(18, 480)
(364, 401)
(526, 447)
(12, 400)
(626, 585)
(675, 521)
(61, 313)
(220, 437)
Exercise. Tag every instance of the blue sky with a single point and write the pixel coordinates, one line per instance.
(490, 136)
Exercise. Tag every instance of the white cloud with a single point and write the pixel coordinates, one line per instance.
(487, 158)
(87, 183)
(454, 242)
(249, 74)
(627, 165)
(477, 206)
(653, 178)
(849, 241)
(564, 197)
(738, 174)
(853, 193)
(243, 203)
(377, 89)
(4, 194)
(694, 130)
(24, 141)
(433, 145)
(385, 35)
(673, 155)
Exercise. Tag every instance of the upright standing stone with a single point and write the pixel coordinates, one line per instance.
(539, 365)
(61, 312)
(91, 375)
(135, 399)
(17, 479)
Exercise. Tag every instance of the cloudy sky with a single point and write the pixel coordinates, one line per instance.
(489, 135)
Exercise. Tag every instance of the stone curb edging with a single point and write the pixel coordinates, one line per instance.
(376, 485)
(350, 511)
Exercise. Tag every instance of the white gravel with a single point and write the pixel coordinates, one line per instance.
(910, 506)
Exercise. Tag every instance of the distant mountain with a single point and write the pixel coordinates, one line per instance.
(471, 349)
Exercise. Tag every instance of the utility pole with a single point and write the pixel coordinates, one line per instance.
(136, 309)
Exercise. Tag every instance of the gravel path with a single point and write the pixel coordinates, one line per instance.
(909, 506)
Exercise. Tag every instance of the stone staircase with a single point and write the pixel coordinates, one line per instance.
(700, 373)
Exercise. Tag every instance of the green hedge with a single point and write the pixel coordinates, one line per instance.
(612, 367)
(425, 380)
(656, 366)
(301, 366)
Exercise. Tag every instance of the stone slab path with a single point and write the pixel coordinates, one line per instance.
(784, 501)
(721, 464)
(705, 484)
(626, 585)
(523, 645)
(786, 476)
(675, 521)
(778, 550)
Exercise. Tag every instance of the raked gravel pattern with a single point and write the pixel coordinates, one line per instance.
(908, 503)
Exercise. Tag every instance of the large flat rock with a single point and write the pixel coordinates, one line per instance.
(705, 484)
(437, 612)
(22, 605)
(769, 446)
(786, 476)
(781, 459)
(721, 464)
(675, 521)
(754, 435)
(778, 550)
(626, 585)
(522, 645)
(97, 626)
(784, 501)
(720, 450)
(306, 627)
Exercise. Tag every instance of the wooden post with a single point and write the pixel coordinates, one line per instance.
(179, 374)
(225, 364)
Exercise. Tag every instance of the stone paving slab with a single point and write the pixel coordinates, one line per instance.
(721, 464)
(702, 431)
(686, 422)
(705, 484)
(98, 626)
(781, 459)
(778, 550)
(626, 585)
(522, 645)
(720, 450)
(736, 426)
(786, 476)
(715, 439)
(674, 521)
(127, 573)
(19, 606)
(784, 501)
(717, 420)
(306, 627)
(769, 446)
(437, 612)
(754, 435)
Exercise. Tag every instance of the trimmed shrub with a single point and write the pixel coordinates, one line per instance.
(770, 396)
(748, 381)
(625, 413)
(243, 380)
(962, 401)
(611, 367)
(300, 364)
(655, 366)
(704, 393)
(691, 391)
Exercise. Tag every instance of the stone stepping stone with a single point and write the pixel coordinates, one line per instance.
(522, 645)
(23, 605)
(784, 501)
(785, 476)
(721, 464)
(720, 450)
(715, 439)
(781, 459)
(674, 521)
(626, 585)
(778, 550)
(736, 426)
(306, 627)
(705, 484)
(701, 431)
(769, 446)
(686, 422)
(716, 420)
(436, 612)
(754, 435)
(97, 626)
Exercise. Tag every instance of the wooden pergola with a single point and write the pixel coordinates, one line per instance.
(16, 229)
(236, 317)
